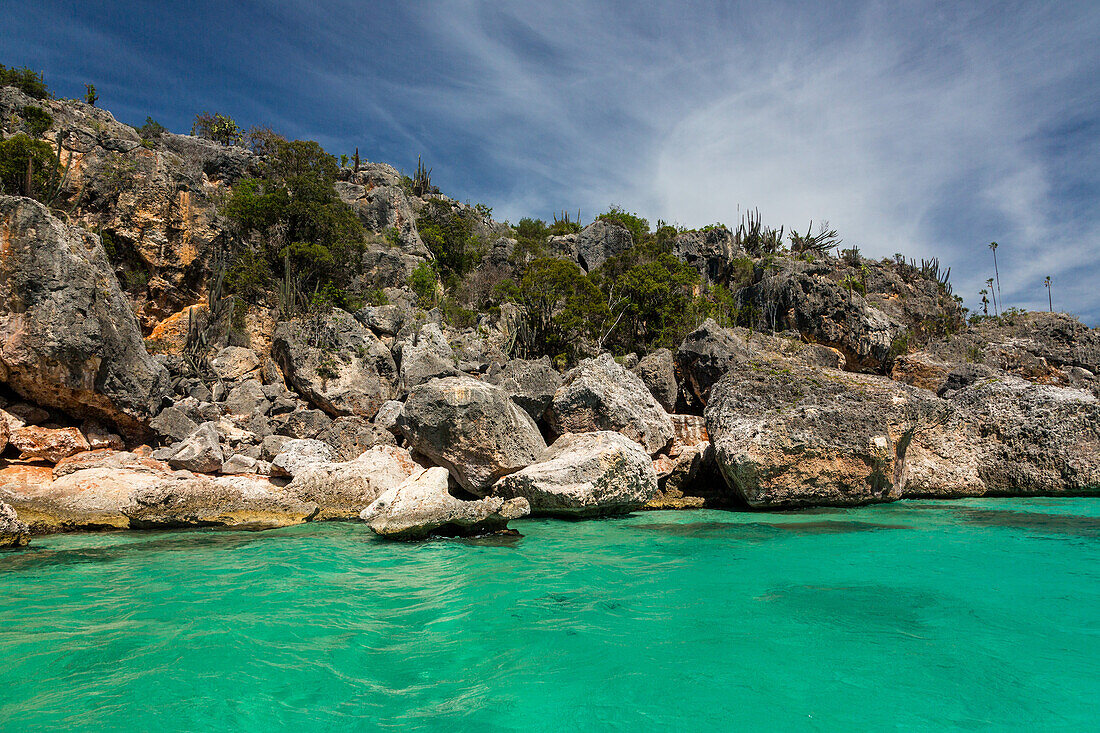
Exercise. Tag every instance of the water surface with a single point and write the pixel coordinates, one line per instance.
(975, 614)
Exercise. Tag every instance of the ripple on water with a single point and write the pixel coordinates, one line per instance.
(919, 615)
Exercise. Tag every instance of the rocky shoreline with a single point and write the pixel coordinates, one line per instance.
(168, 405)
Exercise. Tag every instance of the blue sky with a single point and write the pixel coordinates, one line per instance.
(921, 127)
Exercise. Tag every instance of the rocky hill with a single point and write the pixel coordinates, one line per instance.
(248, 332)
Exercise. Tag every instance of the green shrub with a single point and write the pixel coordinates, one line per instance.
(449, 237)
(425, 283)
(306, 233)
(151, 130)
(217, 127)
(29, 82)
(36, 120)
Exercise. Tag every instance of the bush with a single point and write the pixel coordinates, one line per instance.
(302, 231)
(425, 283)
(217, 127)
(151, 130)
(27, 81)
(36, 120)
(449, 236)
(562, 307)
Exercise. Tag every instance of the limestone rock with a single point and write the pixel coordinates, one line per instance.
(247, 398)
(351, 436)
(706, 354)
(298, 455)
(423, 505)
(599, 394)
(585, 474)
(13, 533)
(227, 501)
(712, 252)
(200, 451)
(658, 372)
(336, 363)
(343, 490)
(600, 241)
(48, 444)
(107, 459)
(426, 356)
(235, 362)
(173, 424)
(388, 415)
(531, 383)
(70, 339)
(472, 428)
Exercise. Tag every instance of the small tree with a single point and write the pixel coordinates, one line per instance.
(993, 246)
(989, 284)
(1050, 301)
(90, 95)
(985, 301)
(217, 127)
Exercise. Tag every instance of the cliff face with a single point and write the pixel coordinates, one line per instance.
(846, 380)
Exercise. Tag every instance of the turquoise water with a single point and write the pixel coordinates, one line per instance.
(916, 616)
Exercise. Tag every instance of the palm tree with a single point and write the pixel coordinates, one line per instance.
(985, 301)
(989, 283)
(1050, 302)
(993, 246)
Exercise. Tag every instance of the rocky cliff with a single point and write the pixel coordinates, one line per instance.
(166, 362)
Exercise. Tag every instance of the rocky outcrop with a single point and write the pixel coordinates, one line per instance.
(530, 383)
(423, 505)
(298, 455)
(599, 394)
(472, 428)
(70, 338)
(787, 435)
(13, 533)
(658, 372)
(343, 490)
(712, 251)
(585, 474)
(706, 354)
(595, 244)
(201, 451)
(352, 436)
(336, 363)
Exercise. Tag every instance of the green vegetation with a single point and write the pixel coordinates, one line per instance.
(217, 127)
(36, 120)
(90, 95)
(29, 168)
(291, 226)
(27, 81)
(636, 225)
(151, 130)
(425, 283)
(449, 236)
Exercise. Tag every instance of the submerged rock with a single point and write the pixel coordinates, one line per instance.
(585, 474)
(471, 428)
(599, 394)
(423, 505)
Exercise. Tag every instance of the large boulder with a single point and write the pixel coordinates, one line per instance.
(423, 505)
(600, 241)
(343, 490)
(472, 428)
(70, 339)
(585, 474)
(425, 356)
(201, 451)
(336, 363)
(351, 436)
(599, 394)
(786, 434)
(247, 502)
(297, 455)
(531, 383)
(658, 371)
(706, 354)
(13, 533)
